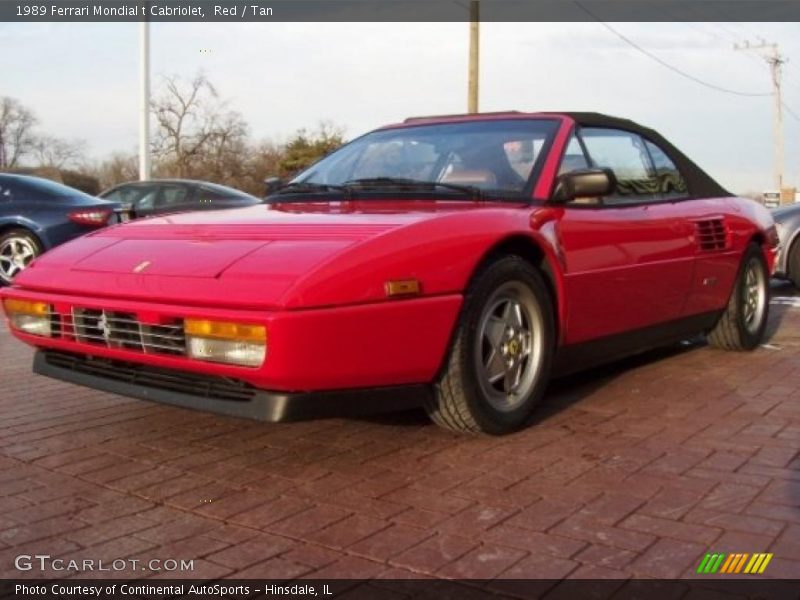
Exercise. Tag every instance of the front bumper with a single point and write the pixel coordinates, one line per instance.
(374, 345)
(220, 395)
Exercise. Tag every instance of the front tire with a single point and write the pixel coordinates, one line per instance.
(500, 360)
(744, 321)
(18, 247)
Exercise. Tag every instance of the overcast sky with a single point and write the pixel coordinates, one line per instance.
(82, 79)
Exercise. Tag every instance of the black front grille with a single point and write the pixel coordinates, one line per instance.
(115, 329)
(206, 386)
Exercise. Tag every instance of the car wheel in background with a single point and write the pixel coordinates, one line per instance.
(500, 360)
(742, 325)
(793, 263)
(18, 247)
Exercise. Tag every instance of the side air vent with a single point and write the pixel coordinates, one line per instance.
(711, 235)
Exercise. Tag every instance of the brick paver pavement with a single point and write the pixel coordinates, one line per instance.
(634, 470)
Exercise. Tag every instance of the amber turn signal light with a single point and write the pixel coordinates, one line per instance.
(226, 330)
(403, 287)
(25, 307)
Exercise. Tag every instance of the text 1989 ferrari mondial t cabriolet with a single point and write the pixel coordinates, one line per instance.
(449, 262)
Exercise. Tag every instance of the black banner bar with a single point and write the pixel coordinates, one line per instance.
(69, 11)
(717, 587)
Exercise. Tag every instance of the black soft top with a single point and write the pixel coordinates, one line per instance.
(699, 183)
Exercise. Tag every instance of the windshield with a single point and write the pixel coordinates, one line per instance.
(491, 155)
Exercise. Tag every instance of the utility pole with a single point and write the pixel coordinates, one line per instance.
(144, 102)
(771, 53)
(474, 56)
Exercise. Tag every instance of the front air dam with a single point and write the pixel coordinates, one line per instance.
(222, 395)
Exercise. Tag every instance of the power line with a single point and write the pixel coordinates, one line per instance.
(786, 63)
(732, 35)
(666, 64)
(744, 32)
(718, 23)
(675, 17)
(723, 24)
(790, 111)
(789, 69)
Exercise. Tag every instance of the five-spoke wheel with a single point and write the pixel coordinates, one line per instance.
(17, 249)
(500, 359)
(508, 351)
(755, 294)
(742, 324)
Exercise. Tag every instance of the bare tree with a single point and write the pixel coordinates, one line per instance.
(197, 136)
(225, 151)
(16, 132)
(196, 131)
(54, 152)
(119, 168)
(261, 161)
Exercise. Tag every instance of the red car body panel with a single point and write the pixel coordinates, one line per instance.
(344, 344)
(315, 274)
(317, 261)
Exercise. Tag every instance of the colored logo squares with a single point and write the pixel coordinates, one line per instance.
(719, 562)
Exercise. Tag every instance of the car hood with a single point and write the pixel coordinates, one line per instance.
(256, 257)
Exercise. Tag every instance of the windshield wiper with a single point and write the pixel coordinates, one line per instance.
(412, 184)
(348, 188)
(303, 187)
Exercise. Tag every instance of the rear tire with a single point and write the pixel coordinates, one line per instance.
(18, 247)
(793, 264)
(500, 360)
(742, 325)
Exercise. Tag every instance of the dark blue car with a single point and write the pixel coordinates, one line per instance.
(37, 214)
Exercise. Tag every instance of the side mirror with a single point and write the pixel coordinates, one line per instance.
(584, 183)
(272, 185)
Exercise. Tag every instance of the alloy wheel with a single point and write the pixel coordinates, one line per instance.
(15, 254)
(509, 345)
(755, 295)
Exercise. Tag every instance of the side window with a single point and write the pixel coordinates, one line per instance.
(671, 183)
(173, 195)
(114, 196)
(625, 154)
(146, 199)
(124, 194)
(209, 196)
(142, 196)
(574, 157)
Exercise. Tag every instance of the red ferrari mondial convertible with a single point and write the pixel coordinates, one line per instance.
(450, 262)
